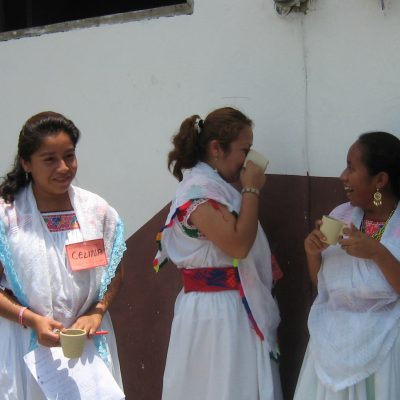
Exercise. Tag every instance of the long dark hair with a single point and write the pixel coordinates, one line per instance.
(381, 153)
(190, 143)
(30, 139)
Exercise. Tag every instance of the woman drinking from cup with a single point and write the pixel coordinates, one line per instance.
(47, 286)
(223, 336)
(354, 323)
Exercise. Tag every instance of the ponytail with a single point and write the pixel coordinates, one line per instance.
(188, 148)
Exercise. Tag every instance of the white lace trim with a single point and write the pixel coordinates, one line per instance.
(185, 222)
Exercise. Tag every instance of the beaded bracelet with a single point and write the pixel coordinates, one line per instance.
(21, 316)
(250, 190)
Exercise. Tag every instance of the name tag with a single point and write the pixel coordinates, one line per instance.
(86, 255)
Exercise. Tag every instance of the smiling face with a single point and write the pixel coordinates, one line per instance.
(230, 162)
(53, 166)
(358, 184)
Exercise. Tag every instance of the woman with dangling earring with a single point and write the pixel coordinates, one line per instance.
(223, 336)
(354, 323)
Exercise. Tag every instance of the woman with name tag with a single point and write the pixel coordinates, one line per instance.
(223, 336)
(354, 323)
(60, 255)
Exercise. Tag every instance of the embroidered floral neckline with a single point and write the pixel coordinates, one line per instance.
(375, 229)
(61, 221)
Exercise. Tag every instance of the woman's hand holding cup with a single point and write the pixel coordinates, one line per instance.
(252, 176)
(315, 242)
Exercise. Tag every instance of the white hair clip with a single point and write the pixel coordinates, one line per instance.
(198, 125)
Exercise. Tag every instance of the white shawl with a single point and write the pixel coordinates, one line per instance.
(202, 182)
(355, 318)
(37, 271)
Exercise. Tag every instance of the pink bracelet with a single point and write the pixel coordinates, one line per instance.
(21, 316)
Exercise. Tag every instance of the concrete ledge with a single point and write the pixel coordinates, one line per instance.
(167, 11)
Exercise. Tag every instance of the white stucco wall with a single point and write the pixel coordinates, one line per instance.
(311, 83)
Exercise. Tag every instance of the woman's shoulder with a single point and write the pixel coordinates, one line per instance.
(201, 182)
(192, 187)
(92, 200)
(343, 212)
(87, 195)
(3, 204)
(5, 210)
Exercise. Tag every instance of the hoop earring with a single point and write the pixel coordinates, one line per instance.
(377, 198)
(26, 176)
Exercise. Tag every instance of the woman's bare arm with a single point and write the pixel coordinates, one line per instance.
(234, 235)
(45, 327)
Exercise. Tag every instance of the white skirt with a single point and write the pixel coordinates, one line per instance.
(383, 385)
(16, 382)
(214, 354)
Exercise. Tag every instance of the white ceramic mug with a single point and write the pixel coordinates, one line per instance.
(332, 229)
(257, 158)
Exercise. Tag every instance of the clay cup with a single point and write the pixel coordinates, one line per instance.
(332, 229)
(72, 342)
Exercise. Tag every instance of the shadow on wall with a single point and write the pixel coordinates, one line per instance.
(143, 311)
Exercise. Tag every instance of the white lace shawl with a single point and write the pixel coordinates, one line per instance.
(355, 318)
(35, 269)
(202, 182)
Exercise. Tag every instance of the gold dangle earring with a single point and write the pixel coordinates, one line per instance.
(377, 198)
